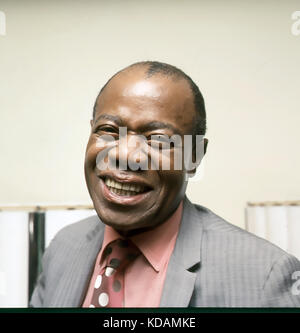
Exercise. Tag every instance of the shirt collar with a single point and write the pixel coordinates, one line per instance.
(157, 244)
(110, 235)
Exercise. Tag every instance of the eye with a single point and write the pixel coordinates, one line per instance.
(160, 141)
(159, 137)
(106, 129)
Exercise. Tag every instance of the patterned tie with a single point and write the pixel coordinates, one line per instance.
(109, 284)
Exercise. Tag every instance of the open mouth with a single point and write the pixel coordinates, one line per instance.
(125, 189)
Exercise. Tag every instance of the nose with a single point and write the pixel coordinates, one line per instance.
(131, 153)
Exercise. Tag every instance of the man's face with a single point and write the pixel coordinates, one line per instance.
(146, 106)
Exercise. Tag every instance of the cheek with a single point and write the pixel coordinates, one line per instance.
(99, 153)
(172, 181)
(91, 155)
(166, 160)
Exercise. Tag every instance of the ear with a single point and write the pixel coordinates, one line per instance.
(205, 144)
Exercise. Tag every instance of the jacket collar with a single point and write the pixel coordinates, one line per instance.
(185, 260)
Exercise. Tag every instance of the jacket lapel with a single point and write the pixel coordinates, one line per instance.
(185, 259)
(71, 289)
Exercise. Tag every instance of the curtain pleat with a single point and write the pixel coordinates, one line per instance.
(278, 224)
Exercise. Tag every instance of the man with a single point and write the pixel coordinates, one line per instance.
(177, 254)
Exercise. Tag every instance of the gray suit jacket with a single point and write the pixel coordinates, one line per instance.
(214, 264)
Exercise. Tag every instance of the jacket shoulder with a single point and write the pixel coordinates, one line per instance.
(240, 269)
(218, 228)
(78, 231)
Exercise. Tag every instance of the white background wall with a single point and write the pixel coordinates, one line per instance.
(56, 55)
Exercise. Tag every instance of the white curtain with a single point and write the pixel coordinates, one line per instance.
(279, 224)
(14, 248)
(13, 259)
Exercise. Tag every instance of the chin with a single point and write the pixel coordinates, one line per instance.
(125, 221)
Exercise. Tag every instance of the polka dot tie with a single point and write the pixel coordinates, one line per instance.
(109, 284)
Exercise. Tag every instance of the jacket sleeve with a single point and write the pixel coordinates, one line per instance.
(282, 286)
(38, 295)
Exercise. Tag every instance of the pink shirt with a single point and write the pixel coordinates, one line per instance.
(144, 278)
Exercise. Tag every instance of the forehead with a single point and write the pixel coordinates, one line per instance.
(138, 99)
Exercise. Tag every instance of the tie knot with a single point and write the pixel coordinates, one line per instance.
(118, 254)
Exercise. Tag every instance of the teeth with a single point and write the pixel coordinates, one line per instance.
(122, 192)
(123, 189)
(126, 187)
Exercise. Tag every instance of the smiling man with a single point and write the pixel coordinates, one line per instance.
(149, 246)
(146, 105)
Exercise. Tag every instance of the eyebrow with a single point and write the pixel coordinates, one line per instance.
(153, 125)
(110, 117)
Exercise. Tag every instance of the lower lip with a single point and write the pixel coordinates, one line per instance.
(120, 199)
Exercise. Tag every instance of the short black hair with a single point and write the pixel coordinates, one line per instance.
(156, 67)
